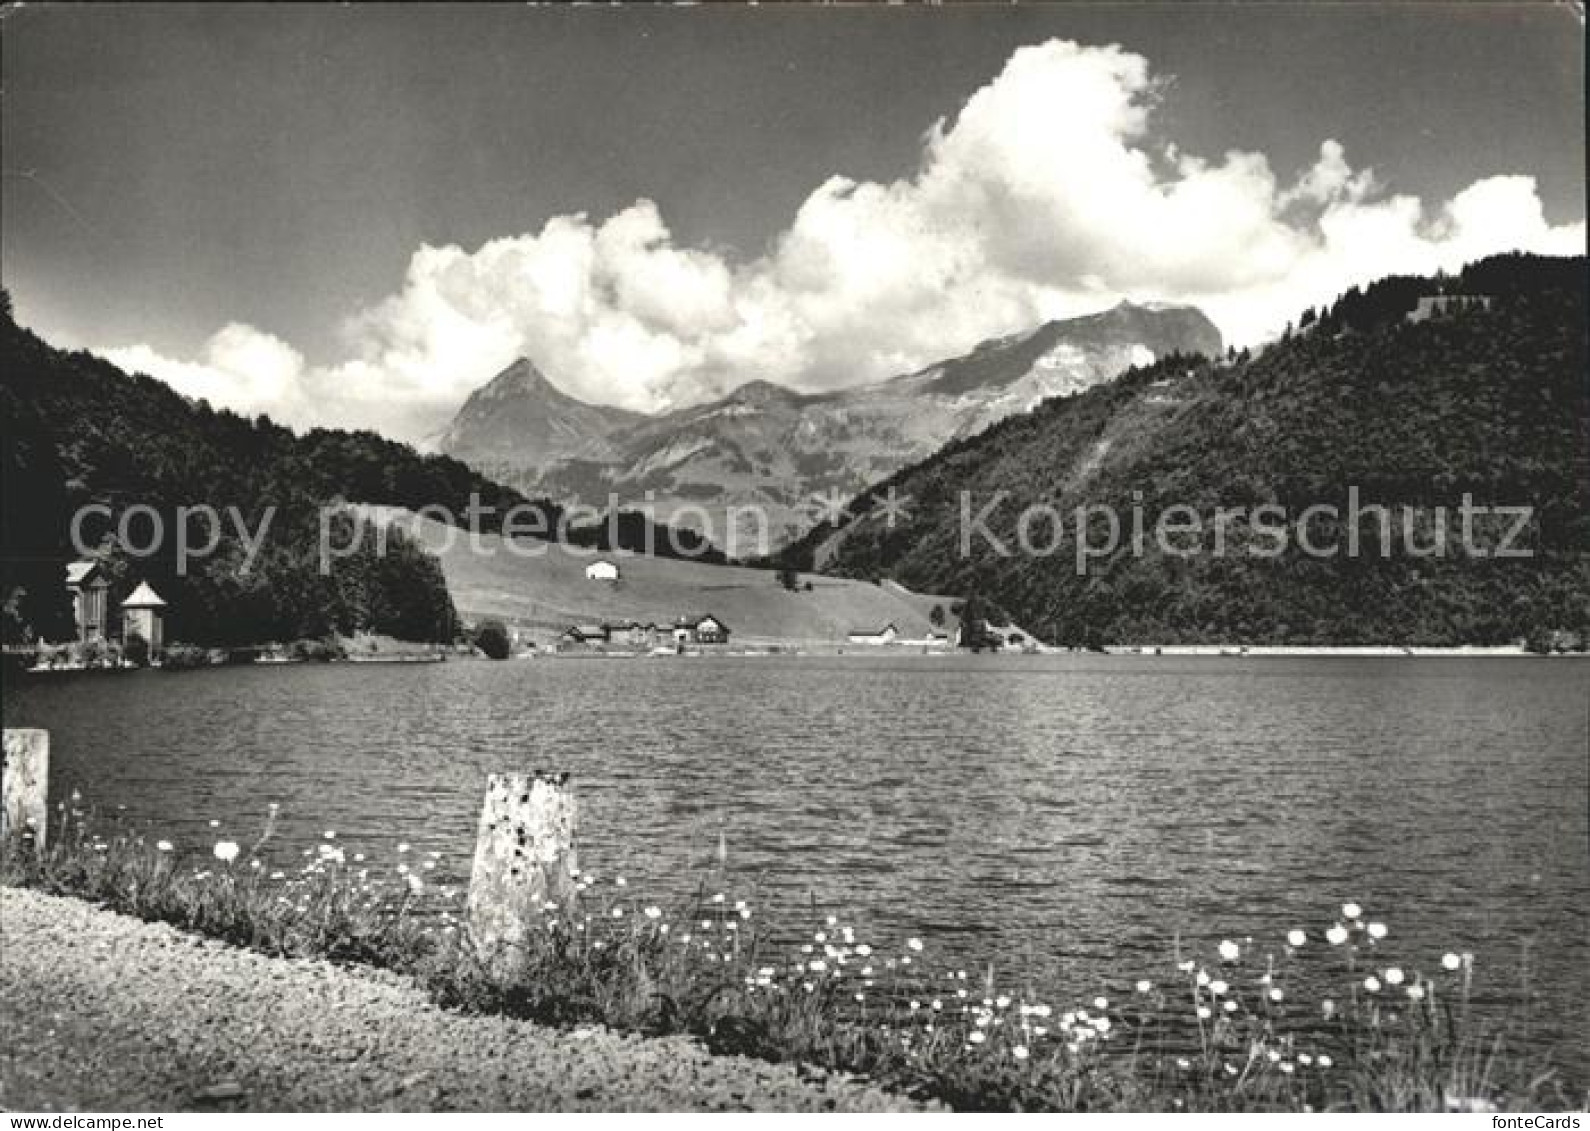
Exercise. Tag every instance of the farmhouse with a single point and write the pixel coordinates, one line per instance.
(888, 634)
(632, 633)
(703, 629)
(90, 590)
(601, 570)
(584, 634)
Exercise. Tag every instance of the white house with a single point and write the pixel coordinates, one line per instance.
(888, 634)
(601, 570)
(144, 613)
(700, 629)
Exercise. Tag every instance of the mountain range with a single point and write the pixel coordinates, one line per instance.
(793, 456)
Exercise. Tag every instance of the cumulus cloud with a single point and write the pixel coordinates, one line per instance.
(239, 367)
(1049, 194)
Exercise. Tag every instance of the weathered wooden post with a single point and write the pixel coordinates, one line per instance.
(525, 859)
(24, 785)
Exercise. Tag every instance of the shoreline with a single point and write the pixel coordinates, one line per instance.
(810, 650)
(1224, 651)
(1470, 651)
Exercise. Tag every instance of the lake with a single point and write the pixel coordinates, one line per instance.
(1066, 818)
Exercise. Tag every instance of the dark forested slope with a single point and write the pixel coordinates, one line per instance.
(1484, 399)
(78, 432)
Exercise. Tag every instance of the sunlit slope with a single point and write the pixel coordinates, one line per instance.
(542, 586)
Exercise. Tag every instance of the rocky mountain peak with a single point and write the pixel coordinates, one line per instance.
(521, 379)
(767, 444)
(521, 417)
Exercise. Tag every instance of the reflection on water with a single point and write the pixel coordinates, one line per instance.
(1068, 817)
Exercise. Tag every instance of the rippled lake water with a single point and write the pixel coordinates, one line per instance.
(1066, 818)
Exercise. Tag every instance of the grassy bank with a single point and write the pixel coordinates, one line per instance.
(1225, 1030)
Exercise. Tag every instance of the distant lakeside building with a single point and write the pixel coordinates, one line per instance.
(888, 634)
(633, 634)
(584, 634)
(701, 629)
(143, 612)
(90, 591)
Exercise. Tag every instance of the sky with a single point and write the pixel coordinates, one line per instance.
(353, 216)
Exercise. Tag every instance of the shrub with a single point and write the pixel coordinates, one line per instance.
(135, 649)
(493, 640)
(321, 651)
(181, 657)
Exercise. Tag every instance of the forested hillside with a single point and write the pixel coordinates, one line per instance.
(78, 431)
(1487, 399)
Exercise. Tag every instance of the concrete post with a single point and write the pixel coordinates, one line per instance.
(24, 785)
(525, 859)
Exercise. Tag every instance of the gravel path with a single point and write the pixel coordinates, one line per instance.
(102, 1012)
